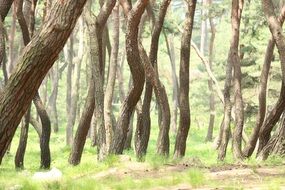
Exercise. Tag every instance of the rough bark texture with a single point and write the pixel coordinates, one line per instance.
(128, 143)
(137, 72)
(152, 81)
(112, 77)
(5, 6)
(33, 65)
(276, 144)
(97, 56)
(274, 115)
(46, 126)
(163, 136)
(184, 117)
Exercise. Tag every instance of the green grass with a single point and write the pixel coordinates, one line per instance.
(82, 176)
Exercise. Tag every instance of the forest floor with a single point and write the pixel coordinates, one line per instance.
(198, 170)
(229, 176)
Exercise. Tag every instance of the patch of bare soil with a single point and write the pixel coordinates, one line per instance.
(237, 176)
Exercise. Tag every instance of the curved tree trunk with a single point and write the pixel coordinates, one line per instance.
(233, 62)
(137, 73)
(94, 90)
(250, 146)
(33, 65)
(153, 81)
(45, 135)
(274, 115)
(184, 119)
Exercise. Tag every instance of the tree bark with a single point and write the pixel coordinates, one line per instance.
(209, 136)
(237, 7)
(152, 81)
(184, 117)
(94, 90)
(5, 6)
(137, 73)
(20, 154)
(83, 126)
(274, 115)
(108, 100)
(45, 135)
(33, 65)
(250, 146)
(233, 62)
(276, 144)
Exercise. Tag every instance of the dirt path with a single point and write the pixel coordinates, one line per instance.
(234, 176)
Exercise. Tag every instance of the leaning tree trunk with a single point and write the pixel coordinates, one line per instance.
(20, 154)
(84, 125)
(34, 63)
(137, 73)
(85, 120)
(5, 6)
(46, 129)
(184, 117)
(274, 115)
(153, 82)
(276, 144)
(250, 146)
